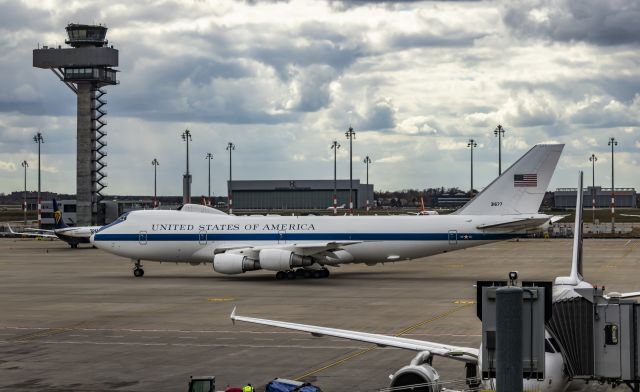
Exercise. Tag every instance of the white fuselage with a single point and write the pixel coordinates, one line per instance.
(179, 236)
(75, 235)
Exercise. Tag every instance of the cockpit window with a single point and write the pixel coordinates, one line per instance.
(548, 347)
(123, 217)
(555, 344)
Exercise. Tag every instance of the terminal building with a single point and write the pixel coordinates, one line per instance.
(297, 194)
(112, 208)
(566, 197)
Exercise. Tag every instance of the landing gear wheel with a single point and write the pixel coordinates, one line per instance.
(138, 272)
(317, 274)
(325, 273)
(291, 274)
(74, 246)
(307, 274)
(281, 275)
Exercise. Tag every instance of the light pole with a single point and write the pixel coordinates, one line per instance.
(186, 184)
(38, 139)
(25, 164)
(593, 160)
(155, 164)
(613, 142)
(209, 157)
(472, 144)
(367, 161)
(350, 134)
(335, 146)
(499, 132)
(230, 148)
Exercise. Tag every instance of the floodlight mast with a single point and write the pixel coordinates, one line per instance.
(230, 148)
(499, 132)
(593, 158)
(209, 157)
(367, 161)
(25, 164)
(38, 139)
(350, 134)
(613, 142)
(186, 181)
(335, 146)
(472, 144)
(155, 164)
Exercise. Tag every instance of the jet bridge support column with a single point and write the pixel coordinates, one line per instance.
(509, 339)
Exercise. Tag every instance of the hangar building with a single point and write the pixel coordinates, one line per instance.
(297, 194)
(566, 197)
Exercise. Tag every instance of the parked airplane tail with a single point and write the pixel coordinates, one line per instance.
(576, 275)
(521, 188)
(57, 216)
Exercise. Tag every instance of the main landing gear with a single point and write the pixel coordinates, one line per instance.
(138, 272)
(303, 273)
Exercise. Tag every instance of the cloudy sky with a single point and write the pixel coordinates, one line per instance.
(282, 80)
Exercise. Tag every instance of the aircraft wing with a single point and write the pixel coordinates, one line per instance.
(464, 354)
(38, 230)
(515, 225)
(623, 295)
(41, 234)
(637, 216)
(302, 249)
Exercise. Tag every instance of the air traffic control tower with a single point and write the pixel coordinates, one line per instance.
(86, 67)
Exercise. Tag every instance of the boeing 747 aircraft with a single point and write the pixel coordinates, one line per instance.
(306, 245)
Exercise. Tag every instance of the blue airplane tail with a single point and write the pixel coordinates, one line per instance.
(57, 216)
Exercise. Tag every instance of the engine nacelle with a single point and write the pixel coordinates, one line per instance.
(231, 263)
(282, 260)
(416, 378)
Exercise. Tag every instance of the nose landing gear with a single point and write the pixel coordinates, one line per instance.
(138, 272)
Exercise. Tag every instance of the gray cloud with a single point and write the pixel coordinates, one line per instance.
(594, 21)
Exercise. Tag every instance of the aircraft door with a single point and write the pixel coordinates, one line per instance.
(142, 238)
(453, 237)
(282, 239)
(202, 238)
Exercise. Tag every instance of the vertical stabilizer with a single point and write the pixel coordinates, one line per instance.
(521, 188)
(576, 261)
(57, 216)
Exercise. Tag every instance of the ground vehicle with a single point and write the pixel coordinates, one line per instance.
(202, 384)
(284, 385)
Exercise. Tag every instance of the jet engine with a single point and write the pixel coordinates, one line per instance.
(231, 263)
(282, 260)
(419, 376)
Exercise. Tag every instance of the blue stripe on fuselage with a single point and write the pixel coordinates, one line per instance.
(309, 237)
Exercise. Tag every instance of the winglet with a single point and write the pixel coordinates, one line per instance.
(10, 229)
(233, 316)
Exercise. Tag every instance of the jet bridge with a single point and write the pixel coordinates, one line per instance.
(599, 337)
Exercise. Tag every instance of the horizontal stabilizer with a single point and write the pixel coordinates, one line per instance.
(515, 225)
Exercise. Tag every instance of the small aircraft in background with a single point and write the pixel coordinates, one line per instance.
(424, 211)
(71, 235)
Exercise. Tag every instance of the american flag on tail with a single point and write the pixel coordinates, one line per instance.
(525, 180)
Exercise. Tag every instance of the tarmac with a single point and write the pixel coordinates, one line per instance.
(78, 320)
